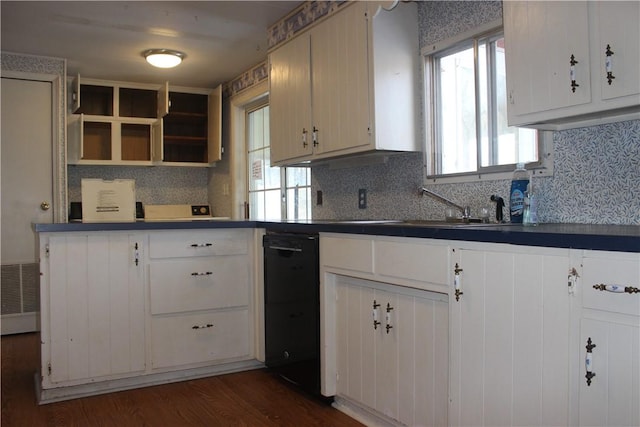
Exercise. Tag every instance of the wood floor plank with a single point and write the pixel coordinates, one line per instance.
(255, 398)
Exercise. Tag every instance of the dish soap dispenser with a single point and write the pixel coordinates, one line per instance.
(516, 196)
(530, 216)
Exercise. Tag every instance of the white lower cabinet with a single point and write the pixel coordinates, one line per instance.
(510, 329)
(200, 337)
(93, 307)
(199, 293)
(608, 353)
(121, 310)
(392, 350)
(384, 330)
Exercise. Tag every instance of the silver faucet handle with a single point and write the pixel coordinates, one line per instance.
(466, 212)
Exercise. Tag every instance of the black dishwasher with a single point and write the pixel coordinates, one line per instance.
(292, 308)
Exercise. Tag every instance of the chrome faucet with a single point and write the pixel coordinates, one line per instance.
(465, 210)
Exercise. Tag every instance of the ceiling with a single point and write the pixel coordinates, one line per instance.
(105, 39)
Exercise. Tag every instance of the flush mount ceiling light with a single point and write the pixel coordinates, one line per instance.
(163, 58)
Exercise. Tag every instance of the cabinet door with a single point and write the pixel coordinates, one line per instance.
(618, 28)
(340, 70)
(290, 100)
(610, 398)
(392, 350)
(540, 39)
(96, 314)
(214, 133)
(509, 339)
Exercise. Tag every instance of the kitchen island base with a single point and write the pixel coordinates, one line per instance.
(58, 394)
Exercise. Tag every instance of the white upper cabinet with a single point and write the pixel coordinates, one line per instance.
(557, 62)
(289, 95)
(347, 86)
(116, 123)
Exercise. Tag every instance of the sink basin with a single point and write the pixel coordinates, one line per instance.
(449, 223)
(368, 221)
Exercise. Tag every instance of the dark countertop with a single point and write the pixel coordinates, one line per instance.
(625, 238)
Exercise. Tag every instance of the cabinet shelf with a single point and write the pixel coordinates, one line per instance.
(119, 123)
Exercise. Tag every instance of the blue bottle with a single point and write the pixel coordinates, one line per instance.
(516, 196)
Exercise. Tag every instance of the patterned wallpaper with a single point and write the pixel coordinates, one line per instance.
(596, 169)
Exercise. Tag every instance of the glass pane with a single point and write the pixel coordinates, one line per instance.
(256, 170)
(272, 173)
(256, 129)
(299, 203)
(272, 205)
(508, 145)
(457, 122)
(298, 176)
(256, 205)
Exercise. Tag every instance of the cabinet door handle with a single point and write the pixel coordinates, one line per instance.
(572, 73)
(617, 289)
(136, 254)
(315, 137)
(387, 318)
(374, 313)
(206, 273)
(588, 361)
(457, 282)
(304, 137)
(608, 64)
(201, 245)
(207, 326)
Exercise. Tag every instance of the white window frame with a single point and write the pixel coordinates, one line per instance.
(543, 167)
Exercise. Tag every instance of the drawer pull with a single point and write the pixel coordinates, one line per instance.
(206, 273)
(617, 289)
(207, 326)
(201, 245)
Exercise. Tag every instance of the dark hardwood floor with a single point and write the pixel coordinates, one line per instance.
(253, 398)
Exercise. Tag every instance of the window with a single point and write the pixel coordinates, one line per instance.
(468, 122)
(274, 193)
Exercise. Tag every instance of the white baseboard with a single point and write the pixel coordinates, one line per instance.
(363, 414)
(19, 323)
(58, 394)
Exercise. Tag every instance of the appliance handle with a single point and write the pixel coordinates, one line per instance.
(283, 248)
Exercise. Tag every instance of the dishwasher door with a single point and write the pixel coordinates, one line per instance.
(292, 308)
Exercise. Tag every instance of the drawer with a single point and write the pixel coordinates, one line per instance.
(199, 338)
(611, 269)
(198, 243)
(348, 253)
(413, 260)
(199, 284)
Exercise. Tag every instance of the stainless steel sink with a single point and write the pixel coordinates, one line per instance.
(367, 221)
(449, 223)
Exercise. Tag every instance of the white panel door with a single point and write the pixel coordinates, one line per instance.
(510, 339)
(540, 39)
(340, 80)
(290, 100)
(611, 396)
(96, 315)
(27, 170)
(392, 350)
(619, 28)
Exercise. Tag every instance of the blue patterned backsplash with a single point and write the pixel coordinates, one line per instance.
(154, 185)
(595, 181)
(596, 169)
